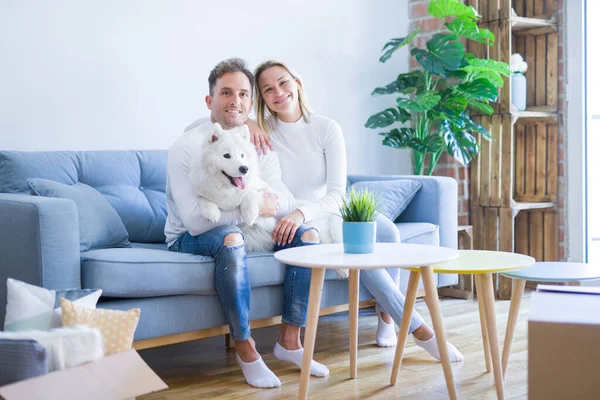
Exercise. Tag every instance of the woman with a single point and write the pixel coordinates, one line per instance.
(315, 145)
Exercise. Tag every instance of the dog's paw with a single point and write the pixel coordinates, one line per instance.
(250, 209)
(249, 214)
(342, 273)
(211, 212)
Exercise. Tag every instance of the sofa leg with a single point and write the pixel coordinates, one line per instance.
(229, 342)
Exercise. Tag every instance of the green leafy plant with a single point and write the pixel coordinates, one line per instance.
(434, 103)
(359, 206)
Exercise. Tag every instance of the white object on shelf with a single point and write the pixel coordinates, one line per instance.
(519, 91)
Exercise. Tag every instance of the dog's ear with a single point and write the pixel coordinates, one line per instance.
(216, 133)
(214, 138)
(245, 132)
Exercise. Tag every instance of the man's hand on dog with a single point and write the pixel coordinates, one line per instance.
(259, 138)
(269, 205)
(286, 227)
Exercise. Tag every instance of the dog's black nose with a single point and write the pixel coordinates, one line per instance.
(243, 169)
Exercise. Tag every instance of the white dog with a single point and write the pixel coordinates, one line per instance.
(226, 176)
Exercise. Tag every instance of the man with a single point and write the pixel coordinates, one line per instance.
(230, 102)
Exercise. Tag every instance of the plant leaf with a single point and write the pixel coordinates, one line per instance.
(480, 89)
(451, 8)
(398, 138)
(423, 102)
(387, 118)
(494, 78)
(451, 107)
(445, 54)
(484, 65)
(473, 126)
(405, 83)
(483, 107)
(460, 144)
(468, 29)
(395, 44)
(430, 144)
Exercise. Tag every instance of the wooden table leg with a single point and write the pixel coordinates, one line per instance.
(312, 318)
(229, 342)
(433, 303)
(513, 315)
(409, 305)
(484, 332)
(353, 285)
(490, 319)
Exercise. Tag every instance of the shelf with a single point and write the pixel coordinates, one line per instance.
(532, 26)
(536, 115)
(523, 206)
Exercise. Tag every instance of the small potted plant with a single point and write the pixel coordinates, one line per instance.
(358, 211)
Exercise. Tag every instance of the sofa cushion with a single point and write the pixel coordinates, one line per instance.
(143, 272)
(31, 307)
(99, 223)
(419, 233)
(394, 196)
(133, 182)
(116, 327)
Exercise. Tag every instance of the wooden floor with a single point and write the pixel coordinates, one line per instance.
(205, 369)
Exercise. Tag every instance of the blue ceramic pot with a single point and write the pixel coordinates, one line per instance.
(359, 237)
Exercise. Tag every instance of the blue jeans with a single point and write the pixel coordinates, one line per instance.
(232, 281)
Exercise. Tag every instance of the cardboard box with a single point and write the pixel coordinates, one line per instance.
(117, 377)
(564, 343)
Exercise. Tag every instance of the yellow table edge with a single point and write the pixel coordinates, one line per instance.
(439, 269)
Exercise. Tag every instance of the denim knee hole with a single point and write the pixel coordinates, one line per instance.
(311, 236)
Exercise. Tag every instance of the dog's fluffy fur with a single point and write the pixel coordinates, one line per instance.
(226, 176)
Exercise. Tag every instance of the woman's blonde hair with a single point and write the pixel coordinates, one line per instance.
(262, 110)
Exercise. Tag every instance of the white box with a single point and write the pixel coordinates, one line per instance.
(117, 377)
(564, 343)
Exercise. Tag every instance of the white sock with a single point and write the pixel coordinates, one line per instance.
(295, 357)
(386, 333)
(257, 373)
(431, 347)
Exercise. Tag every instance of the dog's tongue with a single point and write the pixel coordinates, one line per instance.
(239, 182)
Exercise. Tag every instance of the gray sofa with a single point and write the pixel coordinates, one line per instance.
(39, 241)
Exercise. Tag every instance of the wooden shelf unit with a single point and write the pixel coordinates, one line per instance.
(514, 180)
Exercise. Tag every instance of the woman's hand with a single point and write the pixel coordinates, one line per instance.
(258, 137)
(286, 227)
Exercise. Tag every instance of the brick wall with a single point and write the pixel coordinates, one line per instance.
(447, 166)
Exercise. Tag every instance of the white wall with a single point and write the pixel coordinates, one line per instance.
(83, 75)
(576, 129)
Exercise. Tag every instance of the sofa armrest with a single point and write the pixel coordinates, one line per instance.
(39, 243)
(436, 203)
(386, 230)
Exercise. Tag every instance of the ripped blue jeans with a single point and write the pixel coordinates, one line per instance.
(232, 280)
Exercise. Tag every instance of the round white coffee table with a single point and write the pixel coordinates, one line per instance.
(386, 255)
(550, 272)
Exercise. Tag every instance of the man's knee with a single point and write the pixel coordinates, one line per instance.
(310, 235)
(233, 239)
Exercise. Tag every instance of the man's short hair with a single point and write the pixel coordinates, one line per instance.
(228, 66)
